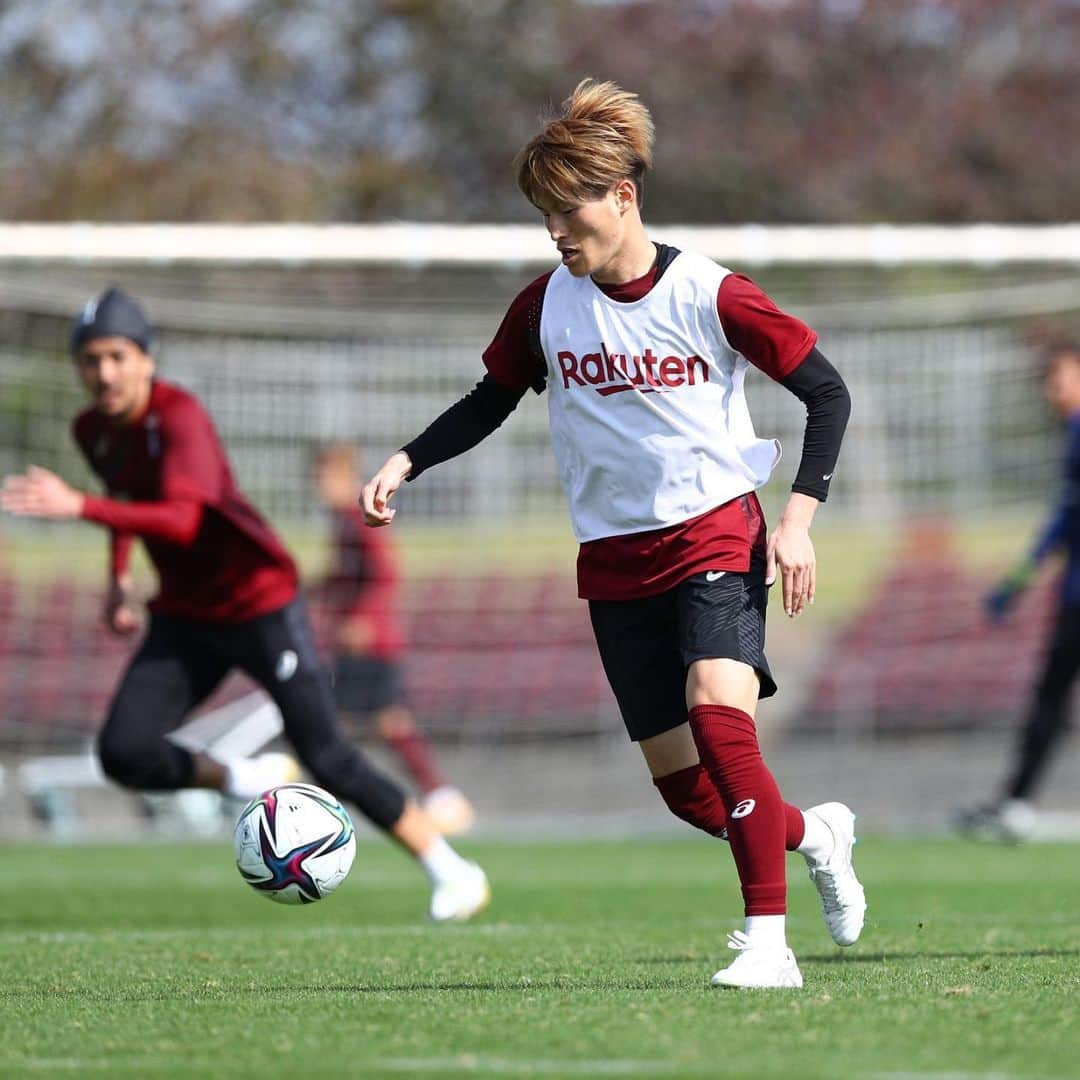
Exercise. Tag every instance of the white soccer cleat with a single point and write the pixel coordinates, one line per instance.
(758, 967)
(460, 897)
(248, 778)
(450, 812)
(843, 901)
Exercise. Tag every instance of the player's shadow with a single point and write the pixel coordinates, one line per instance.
(882, 957)
(918, 954)
(408, 988)
(275, 990)
(557, 983)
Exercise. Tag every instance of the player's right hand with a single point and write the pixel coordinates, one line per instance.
(377, 492)
(42, 494)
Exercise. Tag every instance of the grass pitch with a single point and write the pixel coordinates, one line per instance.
(593, 960)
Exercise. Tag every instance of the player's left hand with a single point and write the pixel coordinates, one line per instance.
(121, 617)
(40, 493)
(792, 552)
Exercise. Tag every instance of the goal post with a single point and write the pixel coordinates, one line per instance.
(432, 244)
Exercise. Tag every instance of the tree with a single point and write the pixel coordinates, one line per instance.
(804, 110)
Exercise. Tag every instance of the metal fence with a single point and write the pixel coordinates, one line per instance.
(948, 421)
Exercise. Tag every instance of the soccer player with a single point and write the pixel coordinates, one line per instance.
(643, 351)
(361, 591)
(1012, 815)
(227, 599)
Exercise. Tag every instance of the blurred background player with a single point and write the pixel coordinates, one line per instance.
(227, 599)
(1012, 816)
(642, 350)
(360, 593)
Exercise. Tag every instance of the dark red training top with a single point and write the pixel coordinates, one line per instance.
(170, 483)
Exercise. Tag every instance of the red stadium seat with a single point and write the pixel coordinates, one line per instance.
(485, 653)
(920, 653)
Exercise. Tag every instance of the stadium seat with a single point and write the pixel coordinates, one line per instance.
(920, 654)
(487, 653)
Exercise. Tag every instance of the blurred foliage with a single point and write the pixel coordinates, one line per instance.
(767, 110)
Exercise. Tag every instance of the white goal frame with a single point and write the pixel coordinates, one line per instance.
(440, 244)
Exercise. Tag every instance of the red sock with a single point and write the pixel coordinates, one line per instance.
(692, 796)
(727, 744)
(417, 756)
(794, 827)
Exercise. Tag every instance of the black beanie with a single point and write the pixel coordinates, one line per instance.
(113, 314)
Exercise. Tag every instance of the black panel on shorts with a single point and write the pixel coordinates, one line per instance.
(647, 645)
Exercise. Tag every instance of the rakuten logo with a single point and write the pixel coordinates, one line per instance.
(611, 373)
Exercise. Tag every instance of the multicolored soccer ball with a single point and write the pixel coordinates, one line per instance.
(294, 844)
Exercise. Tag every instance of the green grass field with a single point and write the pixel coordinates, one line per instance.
(593, 960)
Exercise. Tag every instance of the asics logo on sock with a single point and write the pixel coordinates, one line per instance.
(287, 663)
(744, 809)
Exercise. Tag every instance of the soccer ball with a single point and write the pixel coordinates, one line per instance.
(294, 843)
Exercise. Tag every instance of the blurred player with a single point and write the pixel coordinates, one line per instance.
(361, 591)
(643, 350)
(227, 599)
(1012, 816)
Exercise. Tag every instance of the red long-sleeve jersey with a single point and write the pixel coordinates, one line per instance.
(169, 482)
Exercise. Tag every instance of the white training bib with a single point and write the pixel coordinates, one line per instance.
(648, 419)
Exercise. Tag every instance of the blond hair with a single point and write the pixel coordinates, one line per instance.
(604, 134)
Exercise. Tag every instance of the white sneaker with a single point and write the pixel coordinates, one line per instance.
(450, 812)
(758, 967)
(461, 897)
(843, 901)
(248, 778)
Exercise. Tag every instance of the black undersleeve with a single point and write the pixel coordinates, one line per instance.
(818, 385)
(467, 422)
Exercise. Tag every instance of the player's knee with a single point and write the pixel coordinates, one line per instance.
(122, 763)
(726, 737)
(689, 794)
(148, 767)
